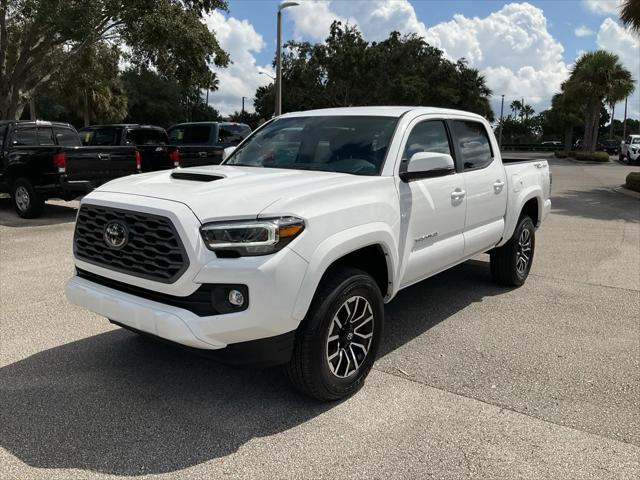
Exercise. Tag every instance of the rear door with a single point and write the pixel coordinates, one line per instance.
(485, 185)
(435, 208)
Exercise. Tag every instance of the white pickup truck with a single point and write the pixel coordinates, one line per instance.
(286, 253)
(630, 150)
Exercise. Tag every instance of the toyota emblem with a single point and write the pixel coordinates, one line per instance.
(115, 235)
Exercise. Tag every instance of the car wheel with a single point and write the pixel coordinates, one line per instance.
(27, 202)
(511, 263)
(337, 342)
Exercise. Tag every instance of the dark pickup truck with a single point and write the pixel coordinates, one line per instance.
(203, 143)
(41, 160)
(152, 142)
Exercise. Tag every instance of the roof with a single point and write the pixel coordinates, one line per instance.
(43, 123)
(378, 111)
(124, 125)
(207, 123)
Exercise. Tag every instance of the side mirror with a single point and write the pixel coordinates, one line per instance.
(227, 151)
(428, 165)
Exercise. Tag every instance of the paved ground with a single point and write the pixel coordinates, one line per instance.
(473, 381)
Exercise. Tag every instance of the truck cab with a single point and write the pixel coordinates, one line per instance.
(630, 150)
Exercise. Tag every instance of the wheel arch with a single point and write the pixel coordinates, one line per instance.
(529, 201)
(368, 247)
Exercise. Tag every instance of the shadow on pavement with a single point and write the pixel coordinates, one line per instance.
(598, 204)
(51, 215)
(119, 404)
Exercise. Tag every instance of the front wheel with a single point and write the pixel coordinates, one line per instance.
(338, 340)
(511, 263)
(27, 202)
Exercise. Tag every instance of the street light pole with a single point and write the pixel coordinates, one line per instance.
(243, 105)
(282, 6)
(501, 121)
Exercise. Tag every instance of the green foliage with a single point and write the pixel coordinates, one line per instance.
(630, 14)
(254, 120)
(346, 70)
(583, 156)
(633, 181)
(597, 77)
(39, 37)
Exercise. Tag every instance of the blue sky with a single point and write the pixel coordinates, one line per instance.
(525, 49)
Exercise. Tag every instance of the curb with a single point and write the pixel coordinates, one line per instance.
(625, 191)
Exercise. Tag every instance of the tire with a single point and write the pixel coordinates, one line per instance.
(511, 263)
(27, 202)
(320, 367)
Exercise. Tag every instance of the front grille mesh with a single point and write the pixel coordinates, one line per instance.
(153, 251)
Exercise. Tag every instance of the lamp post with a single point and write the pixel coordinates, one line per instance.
(267, 74)
(501, 121)
(282, 6)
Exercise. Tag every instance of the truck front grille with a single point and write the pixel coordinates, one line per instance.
(152, 248)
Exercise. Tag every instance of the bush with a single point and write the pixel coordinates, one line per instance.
(589, 156)
(561, 154)
(633, 181)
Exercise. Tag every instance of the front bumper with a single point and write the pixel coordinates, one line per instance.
(273, 283)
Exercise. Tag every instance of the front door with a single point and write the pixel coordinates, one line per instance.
(433, 208)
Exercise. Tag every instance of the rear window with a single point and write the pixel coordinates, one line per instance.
(232, 133)
(190, 134)
(66, 137)
(473, 141)
(146, 136)
(100, 137)
(45, 136)
(25, 136)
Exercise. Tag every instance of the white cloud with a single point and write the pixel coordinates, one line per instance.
(512, 46)
(583, 31)
(615, 38)
(241, 78)
(603, 7)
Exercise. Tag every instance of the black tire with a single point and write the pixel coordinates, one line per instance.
(309, 370)
(507, 261)
(27, 202)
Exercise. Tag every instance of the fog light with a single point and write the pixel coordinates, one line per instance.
(236, 298)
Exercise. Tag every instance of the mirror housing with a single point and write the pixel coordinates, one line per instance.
(226, 152)
(428, 165)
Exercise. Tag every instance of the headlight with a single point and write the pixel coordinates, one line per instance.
(251, 238)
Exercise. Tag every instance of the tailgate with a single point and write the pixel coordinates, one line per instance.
(155, 157)
(99, 164)
(197, 155)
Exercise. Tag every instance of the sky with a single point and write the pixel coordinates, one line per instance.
(524, 49)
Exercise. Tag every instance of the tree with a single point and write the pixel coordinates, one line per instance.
(566, 112)
(516, 108)
(597, 77)
(38, 37)
(346, 70)
(630, 14)
(254, 120)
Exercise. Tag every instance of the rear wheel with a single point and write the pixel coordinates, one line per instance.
(338, 340)
(27, 202)
(511, 263)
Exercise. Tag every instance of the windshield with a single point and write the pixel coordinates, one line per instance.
(345, 144)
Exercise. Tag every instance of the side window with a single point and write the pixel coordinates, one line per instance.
(473, 141)
(230, 134)
(25, 137)
(429, 136)
(66, 137)
(45, 136)
(197, 134)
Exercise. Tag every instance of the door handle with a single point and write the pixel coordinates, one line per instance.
(458, 194)
(498, 185)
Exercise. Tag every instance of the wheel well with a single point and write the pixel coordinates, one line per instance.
(530, 209)
(372, 260)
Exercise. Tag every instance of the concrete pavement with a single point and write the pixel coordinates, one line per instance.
(473, 381)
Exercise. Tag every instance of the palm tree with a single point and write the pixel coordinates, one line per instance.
(527, 111)
(630, 14)
(516, 106)
(598, 77)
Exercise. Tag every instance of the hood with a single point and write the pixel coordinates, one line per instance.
(221, 192)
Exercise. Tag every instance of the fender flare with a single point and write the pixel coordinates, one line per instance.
(337, 246)
(512, 217)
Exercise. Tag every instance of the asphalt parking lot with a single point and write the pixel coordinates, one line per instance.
(473, 381)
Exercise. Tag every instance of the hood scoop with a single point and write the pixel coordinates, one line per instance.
(195, 177)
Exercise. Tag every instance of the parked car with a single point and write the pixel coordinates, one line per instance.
(286, 253)
(203, 143)
(612, 147)
(552, 143)
(152, 142)
(41, 160)
(630, 150)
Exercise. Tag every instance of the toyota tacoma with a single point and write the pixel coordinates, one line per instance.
(287, 251)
